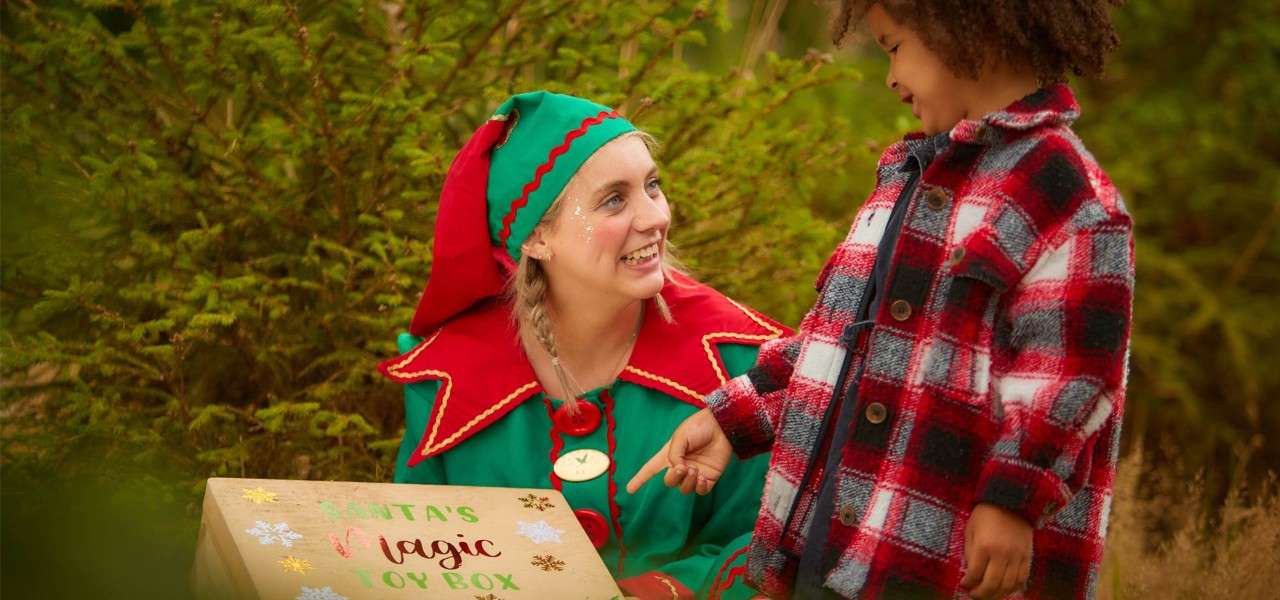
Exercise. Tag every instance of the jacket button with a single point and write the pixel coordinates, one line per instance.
(956, 256)
(847, 515)
(594, 524)
(582, 422)
(876, 413)
(936, 198)
(900, 310)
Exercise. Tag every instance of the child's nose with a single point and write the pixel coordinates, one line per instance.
(890, 81)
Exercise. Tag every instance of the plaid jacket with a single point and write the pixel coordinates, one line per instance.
(994, 372)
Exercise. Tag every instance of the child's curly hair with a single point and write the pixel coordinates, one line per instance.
(1051, 36)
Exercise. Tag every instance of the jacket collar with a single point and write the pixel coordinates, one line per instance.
(484, 372)
(1050, 106)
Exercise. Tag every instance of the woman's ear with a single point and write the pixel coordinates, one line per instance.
(535, 246)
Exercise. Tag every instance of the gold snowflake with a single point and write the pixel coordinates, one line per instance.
(488, 597)
(539, 503)
(258, 495)
(295, 565)
(547, 562)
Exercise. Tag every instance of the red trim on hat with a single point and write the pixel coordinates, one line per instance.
(545, 168)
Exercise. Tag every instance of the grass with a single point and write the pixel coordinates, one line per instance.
(1163, 545)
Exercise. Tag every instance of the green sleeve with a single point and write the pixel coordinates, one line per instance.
(720, 544)
(418, 400)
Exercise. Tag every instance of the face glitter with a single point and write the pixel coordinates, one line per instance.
(587, 231)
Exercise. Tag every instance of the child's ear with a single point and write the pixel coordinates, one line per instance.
(535, 246)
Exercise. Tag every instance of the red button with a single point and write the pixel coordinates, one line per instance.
(594, 524)
(586, 420)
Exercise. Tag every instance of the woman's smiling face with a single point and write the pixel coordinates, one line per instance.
(607, 236)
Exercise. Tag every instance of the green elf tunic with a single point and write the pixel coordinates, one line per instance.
(476, 415)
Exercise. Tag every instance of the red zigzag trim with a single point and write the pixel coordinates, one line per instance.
(557, 442)
(546, 167)
(615, 512)
(718, 585)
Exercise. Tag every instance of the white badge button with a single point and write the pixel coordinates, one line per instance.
(581, 465)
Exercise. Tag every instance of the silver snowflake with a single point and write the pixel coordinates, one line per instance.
(539, 531)
(268, 534)
(324, 593)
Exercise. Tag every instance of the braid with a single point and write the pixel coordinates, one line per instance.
(530, 291)
(533, 309)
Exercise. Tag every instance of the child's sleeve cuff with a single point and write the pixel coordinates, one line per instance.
(744, 423)
(1033, 493)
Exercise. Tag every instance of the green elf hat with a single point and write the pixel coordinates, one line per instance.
(497, 190)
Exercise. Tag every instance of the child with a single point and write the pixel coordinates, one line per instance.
(946, 421)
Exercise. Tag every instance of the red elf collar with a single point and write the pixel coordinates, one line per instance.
(484, 373)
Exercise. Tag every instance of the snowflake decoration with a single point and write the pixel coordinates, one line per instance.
(539, 531)
(258, 495)
(547, 562)
(295, 565)
(538, 503)
(324, 593)
(268, 534)
(488, 597)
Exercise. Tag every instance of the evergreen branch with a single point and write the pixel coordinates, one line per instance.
(697, 15)
(166, 55)
(1255, 246)
(471, 54)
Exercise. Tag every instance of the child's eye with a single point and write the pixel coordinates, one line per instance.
(894, 49)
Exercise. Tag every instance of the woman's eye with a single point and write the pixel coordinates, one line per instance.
(613, 201)
(654, 185)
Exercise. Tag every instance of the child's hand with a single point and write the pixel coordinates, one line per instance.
(997, 552)
(695, 456)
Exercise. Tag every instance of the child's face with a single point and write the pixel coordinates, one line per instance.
(918, 75)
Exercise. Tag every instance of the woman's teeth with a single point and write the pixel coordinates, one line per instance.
(641, 255)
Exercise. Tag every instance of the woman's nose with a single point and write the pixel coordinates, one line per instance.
(890, 81)
(654, 213)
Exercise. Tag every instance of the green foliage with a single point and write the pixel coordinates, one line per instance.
(1184, 122)
(233, 202)
(217, 216)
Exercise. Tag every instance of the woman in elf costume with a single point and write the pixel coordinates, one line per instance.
(556, 346)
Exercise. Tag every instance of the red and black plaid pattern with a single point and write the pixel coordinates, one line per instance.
(995, 370)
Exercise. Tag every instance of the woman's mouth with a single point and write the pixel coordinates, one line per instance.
(642, 257)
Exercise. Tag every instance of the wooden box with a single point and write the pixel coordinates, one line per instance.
(325, 540)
